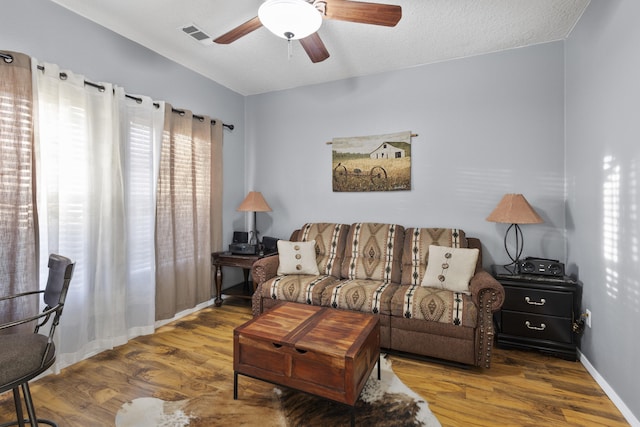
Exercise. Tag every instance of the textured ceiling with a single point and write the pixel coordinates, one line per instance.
(429, 31)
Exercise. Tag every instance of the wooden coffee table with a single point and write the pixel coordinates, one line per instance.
(318, 350)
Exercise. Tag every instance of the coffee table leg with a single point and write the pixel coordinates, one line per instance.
(353, 416)
(235, 385)
(378, 367)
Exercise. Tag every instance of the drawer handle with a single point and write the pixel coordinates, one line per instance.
(276, 345)
(542, 326)
(301, 351)
(528, 300)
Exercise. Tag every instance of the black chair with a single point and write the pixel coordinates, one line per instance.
(24, 356)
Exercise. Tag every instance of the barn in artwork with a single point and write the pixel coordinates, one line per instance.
(387, 150)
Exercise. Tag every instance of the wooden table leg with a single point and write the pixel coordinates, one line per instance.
(245, 271)
(218, 276)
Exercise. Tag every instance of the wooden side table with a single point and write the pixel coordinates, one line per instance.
(227, 259)
(539, 313)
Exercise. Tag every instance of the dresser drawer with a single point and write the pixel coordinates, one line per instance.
(536, 326)
(538, 301)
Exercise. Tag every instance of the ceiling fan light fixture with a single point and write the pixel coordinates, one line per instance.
(290, 19)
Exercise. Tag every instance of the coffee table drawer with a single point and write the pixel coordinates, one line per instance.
(277, 360)
(320, 369)
(260, 354)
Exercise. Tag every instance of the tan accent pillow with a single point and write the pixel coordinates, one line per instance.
(297, 258)
(450, 268)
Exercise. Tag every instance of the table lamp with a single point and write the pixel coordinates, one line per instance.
(254, 202)
(514, 209)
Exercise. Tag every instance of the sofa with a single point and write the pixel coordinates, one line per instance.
(443, 311)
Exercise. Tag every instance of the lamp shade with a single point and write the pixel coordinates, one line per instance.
(514, 209)
(254, 202)
(290, 19)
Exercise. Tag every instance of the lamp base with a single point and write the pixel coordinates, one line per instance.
(519, 245)
(254, 239)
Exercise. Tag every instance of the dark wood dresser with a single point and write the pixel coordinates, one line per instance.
(539, 313)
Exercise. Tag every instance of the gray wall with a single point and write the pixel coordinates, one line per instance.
(487, 125)
(51, 33)
(603, 180)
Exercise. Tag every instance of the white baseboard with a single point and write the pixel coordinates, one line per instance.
(626, 412)
(185, 313)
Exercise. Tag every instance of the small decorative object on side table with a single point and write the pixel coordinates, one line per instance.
(539, 313)
(227, 259)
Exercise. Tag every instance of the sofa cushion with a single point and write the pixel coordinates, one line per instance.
(450, 268)
(297, 258)
(371, 296)
(373, 251)
(330, 241)
(415, 254)
(297, 288)
(437, 305)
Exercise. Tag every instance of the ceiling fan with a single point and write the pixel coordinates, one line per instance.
(301, 19)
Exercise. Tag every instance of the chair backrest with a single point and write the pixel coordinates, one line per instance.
(60, 273)
(55, 294)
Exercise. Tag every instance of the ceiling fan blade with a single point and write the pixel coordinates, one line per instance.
(240, 31)
(364, 13)
(315, 48)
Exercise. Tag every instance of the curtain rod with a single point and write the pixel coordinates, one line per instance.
(63, 76)
(201, 118)
(7, 58)
(413, 135)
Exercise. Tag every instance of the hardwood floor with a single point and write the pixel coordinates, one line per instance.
(185, 358)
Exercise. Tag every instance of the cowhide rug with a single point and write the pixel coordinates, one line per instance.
(385, 403)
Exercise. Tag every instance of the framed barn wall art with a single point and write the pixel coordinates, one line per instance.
(372, 163)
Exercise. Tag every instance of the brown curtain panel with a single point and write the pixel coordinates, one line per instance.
(216, 186)
(18, 221)
(184, 212)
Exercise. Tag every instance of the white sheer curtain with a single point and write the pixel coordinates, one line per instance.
(141, 130)
(96, 183)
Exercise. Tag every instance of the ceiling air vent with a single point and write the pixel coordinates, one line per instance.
(193, 31)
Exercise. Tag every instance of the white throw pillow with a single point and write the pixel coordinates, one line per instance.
(450, 268)
(297, 258)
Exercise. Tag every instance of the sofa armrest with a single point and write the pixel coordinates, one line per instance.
(264, 269)
(256, 301)
(486, 289)
(488, 295)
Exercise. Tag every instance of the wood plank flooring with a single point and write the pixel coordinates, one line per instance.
(185, 359)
